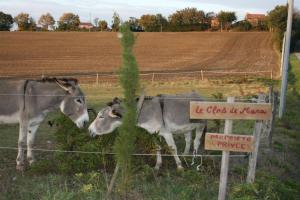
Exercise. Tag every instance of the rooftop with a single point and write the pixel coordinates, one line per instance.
(255, 16)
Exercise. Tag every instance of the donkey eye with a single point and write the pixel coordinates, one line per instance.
(100, 116)
(79, 101)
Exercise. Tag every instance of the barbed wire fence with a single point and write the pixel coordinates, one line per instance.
(100, 77)
(54, 150)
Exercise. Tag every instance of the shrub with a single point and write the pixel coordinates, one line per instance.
(242, 26)
(70, 138)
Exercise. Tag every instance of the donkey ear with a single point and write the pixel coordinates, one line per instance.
(119, 115)
(66, 86)
(114, 114)
(117, 100)
(110, 104)
(72, 81)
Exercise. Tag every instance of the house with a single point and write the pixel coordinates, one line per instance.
(86, 25)
(255, 19)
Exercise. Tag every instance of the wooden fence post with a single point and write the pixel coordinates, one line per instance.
(97, 79)
(256, 136)
(202, 77)
(274, 111)
(152, 78)
(271, 74)
(225, 159)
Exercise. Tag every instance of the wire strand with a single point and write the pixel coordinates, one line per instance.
(111, 153)
(180, 98)
(93, 74)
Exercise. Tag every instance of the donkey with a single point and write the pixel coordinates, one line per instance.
(27, 102)
(164, 114)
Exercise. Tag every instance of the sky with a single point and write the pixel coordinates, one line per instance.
(103, 9)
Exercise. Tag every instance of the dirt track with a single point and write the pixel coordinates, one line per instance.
(33, 53)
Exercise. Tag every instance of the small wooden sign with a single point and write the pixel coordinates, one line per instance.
(223, 110)
(225, 142)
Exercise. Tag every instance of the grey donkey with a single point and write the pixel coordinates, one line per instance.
(27, 102)
(164, 114)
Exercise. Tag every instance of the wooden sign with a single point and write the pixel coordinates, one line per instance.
(227, 142)
(223, 110)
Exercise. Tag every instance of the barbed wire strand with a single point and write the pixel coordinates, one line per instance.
(87, 96)
(109, 153)
(141, 74)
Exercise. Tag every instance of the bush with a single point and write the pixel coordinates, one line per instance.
(242, 26)
(185, 28)
(70, 138)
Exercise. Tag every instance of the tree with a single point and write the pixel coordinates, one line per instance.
(148, 22)
(129, 78)
(102, 25)
(116, 22)
(296, 25)
(134, 24)
(208, 17)
(96, 21)
(6, 21)
(226, 19)
(32, 24)
(277, 19)
(161, 21)
(24, 22)
(242, 26)
(47, 21)
(68, 22)
(187, 16)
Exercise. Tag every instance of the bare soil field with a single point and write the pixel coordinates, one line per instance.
(53, 53)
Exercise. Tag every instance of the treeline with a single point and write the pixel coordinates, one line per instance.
(187, 19)
(277, 21)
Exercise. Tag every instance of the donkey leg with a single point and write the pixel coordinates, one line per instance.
(199, 132)
(31, 132)
(170, 141)
(188, 139)
(21, 146)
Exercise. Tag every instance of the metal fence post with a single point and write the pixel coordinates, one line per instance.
(284, 82)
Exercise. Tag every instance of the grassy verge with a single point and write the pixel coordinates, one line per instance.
(239, 87)
(278, 172)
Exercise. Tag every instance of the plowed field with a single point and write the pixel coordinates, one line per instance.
(36, 53)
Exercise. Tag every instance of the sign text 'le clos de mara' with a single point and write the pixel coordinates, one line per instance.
(222, 110)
